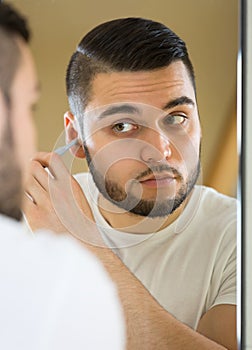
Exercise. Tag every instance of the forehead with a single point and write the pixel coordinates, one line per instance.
(155, 87)
(25, 81)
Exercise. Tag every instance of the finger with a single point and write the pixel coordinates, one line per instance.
(29, 208)
(54, 163)
(34, 189)
(32, 214)
(38, 172)
(28, 201)
(42, 157)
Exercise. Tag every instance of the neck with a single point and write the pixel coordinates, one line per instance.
(125, 221)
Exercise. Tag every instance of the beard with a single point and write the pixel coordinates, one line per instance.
(113, 192)
(10, 176)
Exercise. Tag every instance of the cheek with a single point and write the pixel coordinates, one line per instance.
(116, 159)
(25, 138)
(185, 150)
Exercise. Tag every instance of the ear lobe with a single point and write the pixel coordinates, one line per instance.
(71, 134)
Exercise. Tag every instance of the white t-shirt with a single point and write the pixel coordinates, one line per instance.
(54, 295)
(190, 266)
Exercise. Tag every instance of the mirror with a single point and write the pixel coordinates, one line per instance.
(210, 29)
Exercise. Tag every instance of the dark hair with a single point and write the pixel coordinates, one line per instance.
(12, 25)
(13, 22)
(127, 44)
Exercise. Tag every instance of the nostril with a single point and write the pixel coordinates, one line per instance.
(150, 154)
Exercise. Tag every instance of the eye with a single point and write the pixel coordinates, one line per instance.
(124, 127)
(175, 119)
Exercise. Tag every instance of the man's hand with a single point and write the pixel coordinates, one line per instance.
(54, 200)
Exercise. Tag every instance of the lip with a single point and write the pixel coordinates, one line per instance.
(157, 177)
(158, 180)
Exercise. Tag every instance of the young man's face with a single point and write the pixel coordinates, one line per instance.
(142, 138)
(17, 134)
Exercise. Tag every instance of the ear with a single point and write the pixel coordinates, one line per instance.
(72, 133)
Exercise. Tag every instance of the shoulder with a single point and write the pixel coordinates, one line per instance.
(51, 254)
(216, 219)
(212, 204)
(209, 215)
(210, 196)
(57, 273)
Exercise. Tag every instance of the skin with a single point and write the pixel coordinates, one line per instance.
(23, 95)
(149, 326)
(123, 156)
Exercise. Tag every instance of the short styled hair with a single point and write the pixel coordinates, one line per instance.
(126, 44)
(12, 25)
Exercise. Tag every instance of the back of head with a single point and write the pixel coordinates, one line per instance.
(127, 44)
(12, 28)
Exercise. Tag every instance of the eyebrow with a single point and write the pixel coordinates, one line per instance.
(129, 109)
(183, 100)
(125, 108)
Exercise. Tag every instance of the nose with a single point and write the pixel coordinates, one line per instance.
(156, 148)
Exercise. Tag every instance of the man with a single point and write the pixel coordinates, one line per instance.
(54, 294)
(171, 244)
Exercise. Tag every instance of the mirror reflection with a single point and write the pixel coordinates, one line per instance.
(152, 122)
(211, 33)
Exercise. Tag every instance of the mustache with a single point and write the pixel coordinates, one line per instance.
(159, 169)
